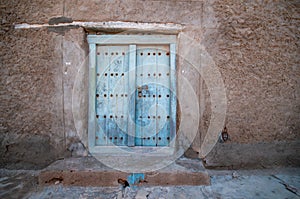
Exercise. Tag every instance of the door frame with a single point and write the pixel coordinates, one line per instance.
(131, 41)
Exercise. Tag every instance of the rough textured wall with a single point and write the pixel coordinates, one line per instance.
(75, 76)
(184, 12)
(31, 98)
(254, 45)
(36, 11)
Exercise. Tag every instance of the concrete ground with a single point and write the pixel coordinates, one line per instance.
(269, 183)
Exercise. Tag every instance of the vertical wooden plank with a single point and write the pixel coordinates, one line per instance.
(118, 66)
(101, 101)
(131, 87)
(92, 91)
(173, 102)
(104, 64)
(124, 90)
(149, 88)
(139, 97)
(114, 70)
(163, 100)
(110, 98)
(157, 115)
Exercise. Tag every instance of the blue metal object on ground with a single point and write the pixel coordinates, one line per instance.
(135, 178)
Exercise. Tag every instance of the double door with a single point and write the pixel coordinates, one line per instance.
(135, 99)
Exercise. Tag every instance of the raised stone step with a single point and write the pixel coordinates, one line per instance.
(87, 171)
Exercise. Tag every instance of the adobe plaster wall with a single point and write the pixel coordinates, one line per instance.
(254, 46)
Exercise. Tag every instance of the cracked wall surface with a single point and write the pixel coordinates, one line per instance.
(254, 45)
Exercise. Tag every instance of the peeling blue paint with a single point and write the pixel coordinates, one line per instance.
(134, 82)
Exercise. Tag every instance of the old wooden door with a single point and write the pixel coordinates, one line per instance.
(135, 94)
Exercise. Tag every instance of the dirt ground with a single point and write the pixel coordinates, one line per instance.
(271, 183)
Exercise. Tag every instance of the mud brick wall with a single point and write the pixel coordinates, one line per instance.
(256, 47)
(254, 44)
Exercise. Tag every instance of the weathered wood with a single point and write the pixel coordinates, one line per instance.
(173, 97)
(92, 92)
(131, 91)
(134, 98)
(131, 39)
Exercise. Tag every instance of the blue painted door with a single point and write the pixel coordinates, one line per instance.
(134, 103)
(152, 114)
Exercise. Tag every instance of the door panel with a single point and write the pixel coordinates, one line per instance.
(148, 106)
(152, 106)
(112, 103)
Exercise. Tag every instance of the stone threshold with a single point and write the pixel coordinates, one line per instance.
(88, 171)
